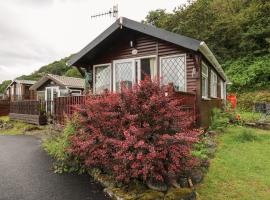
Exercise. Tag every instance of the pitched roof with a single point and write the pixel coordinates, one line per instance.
(26, 82)
(174, 38)
(65, 81)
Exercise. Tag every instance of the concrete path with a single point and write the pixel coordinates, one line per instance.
(26, 174)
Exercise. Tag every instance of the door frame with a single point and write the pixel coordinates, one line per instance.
(52, 99)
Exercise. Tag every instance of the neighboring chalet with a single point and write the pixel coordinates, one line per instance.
(52, 86)
(128, 50)
(20, 90)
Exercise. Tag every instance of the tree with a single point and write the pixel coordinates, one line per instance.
(73, 72)
(4, 85)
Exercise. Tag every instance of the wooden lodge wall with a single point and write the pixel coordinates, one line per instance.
(146, 46)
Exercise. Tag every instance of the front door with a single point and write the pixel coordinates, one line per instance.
(50, 94)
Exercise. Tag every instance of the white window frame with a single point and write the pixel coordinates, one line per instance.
(222, 91)
(72, 90)
(138, 75)
(206, 76)
(94, 75)
(133, 70)
(213, 84)
(185, 67)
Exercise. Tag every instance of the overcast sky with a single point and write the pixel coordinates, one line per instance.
(37, 32)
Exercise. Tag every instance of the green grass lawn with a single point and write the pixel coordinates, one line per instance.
(241, 168)
(18, 127)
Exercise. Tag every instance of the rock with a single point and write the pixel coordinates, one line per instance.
(196, 176)
(162, 187)
(32, 128)
(151, 195)
(120, 194)
(211, 152)
(183, 181)
(1, 122)
(210, 143)
(180, 194)
(7, 126)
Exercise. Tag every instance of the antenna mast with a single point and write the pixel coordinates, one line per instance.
(113, 12)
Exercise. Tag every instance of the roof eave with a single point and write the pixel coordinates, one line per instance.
(203, 48)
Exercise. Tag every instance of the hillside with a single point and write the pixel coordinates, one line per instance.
(57, 67)
(237, 31)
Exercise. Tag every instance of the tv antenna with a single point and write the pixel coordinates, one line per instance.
(113, 12)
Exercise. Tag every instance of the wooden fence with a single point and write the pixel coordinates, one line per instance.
(64, 106)
(30, 111)
(4, 107)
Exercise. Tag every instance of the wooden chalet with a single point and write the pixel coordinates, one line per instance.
(129, 50)
(19, 90)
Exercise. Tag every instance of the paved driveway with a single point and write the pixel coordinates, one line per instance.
(25, 174)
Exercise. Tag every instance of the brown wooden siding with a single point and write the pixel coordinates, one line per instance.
(146, 46)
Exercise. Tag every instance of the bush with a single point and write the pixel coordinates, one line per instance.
(220, 119)
(135, 135)
(246, 101)
(247, 136)
(57, 148)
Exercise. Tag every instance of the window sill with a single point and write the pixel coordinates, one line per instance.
(206, 98)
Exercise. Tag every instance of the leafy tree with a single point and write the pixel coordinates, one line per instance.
(4, 85)
(73, 72)
(237, 31)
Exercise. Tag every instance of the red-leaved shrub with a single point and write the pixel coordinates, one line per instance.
(140, 133)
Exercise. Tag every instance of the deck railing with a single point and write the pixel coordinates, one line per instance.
(64, 106)
(4, 107)
(30, 107)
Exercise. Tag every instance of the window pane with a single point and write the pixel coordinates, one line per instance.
(123, 74)
(41, 95)
(102, 78)
(204, 86)
(173, 71)
(213, 84)
(148, 68)
(204, 69)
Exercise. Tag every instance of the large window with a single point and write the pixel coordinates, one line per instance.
(102, 78)
(213, 84)
(124, 71)
(173, 70)
(204, 81)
